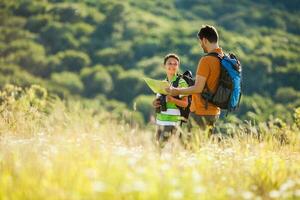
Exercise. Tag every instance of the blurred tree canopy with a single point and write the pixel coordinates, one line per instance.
(90, 48)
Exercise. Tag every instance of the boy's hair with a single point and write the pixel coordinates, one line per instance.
(171, 55)
(208, 32)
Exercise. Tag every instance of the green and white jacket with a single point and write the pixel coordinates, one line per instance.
(171, 117)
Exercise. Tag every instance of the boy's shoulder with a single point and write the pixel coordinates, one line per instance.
(182, 82)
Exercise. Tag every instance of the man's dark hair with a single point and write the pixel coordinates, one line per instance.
(171, 55)
(208, 32)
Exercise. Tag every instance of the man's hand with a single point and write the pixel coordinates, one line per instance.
(172, 91)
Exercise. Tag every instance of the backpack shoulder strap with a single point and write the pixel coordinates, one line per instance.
(176, 82)
(207, 95)
(214, 54)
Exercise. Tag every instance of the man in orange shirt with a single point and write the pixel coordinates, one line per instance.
(207, 76)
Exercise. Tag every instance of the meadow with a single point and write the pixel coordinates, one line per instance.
(76, 120)
(53, 149)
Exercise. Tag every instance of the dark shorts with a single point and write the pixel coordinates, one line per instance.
(202, 121)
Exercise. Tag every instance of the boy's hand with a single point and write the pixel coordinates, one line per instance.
(169, 98)
(156, 103)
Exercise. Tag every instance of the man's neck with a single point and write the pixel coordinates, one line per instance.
(212, 47)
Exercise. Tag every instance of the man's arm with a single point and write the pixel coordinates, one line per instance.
(197, 88)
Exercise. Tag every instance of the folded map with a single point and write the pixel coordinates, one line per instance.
(157, 86)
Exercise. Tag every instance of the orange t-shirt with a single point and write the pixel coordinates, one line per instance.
(210, 68)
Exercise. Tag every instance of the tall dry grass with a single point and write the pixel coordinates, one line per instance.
(50, 149)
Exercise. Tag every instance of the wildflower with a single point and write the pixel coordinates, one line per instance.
(121, 151)
(165, 167)
(140, 170)
(196, 176)
(247, 195)
(139, 186)
(297, 193)
(199, 190)
(98, 186)
(230, 191)
(174, 182)
(166, 157)
(53, 150)
(91, 173)
(176, 194)
(274, 194)
(132, 161)
(136, 186)
(287, 185)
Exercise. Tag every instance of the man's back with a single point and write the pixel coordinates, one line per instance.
(210, 68)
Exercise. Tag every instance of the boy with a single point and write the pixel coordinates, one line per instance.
(168, 114)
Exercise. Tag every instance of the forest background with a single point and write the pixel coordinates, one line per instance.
(98, 52)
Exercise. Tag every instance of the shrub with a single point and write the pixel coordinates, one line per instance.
(69, 80)
(71, 60)
(297, 116)
(96, 80)
(143, 104)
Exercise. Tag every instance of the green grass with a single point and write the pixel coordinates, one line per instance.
(70, 152)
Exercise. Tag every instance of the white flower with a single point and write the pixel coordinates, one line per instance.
(230, 191)
(165, 167)
(287, 185)
(247, 195)
(140, 170)
(53, 150)
(98, 186)
(91, 173)
(174, 181)
(132, 161)
(139, 186)
(274, 194)
(297, 193)
(196, 176)
(166, 157)
(199, 190)
(121, 151)
(176, 194)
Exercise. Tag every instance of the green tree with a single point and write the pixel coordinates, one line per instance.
(69, 12)
(152, 67)
(143, 104)
(28, 8)
(146, 47)
(57, 37)
(96, 81)
(71, 60)
(29, 55)
(287, 94)
(36, 22)
(129, 85)
(116, 55)
(68, 80)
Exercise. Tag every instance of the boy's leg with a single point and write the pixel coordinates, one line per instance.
(164, 133)
(158, 133)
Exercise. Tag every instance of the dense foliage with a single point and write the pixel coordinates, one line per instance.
(101, 50)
